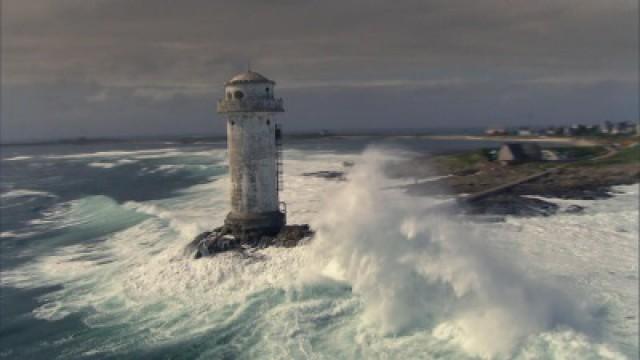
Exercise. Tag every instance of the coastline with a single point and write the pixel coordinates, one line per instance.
(187, 140)
(545, 139)
(487, 187)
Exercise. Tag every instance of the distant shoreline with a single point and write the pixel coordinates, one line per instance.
(191, 140)
(554, 139)
(575, 141)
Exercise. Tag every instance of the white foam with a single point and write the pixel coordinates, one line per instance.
(18, 158)
(110, 165)
(16, 193)
(113, 154)
(415, 272)
(439, 284)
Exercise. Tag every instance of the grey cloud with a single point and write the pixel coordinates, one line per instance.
(162, 52)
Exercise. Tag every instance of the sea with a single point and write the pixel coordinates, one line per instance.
(93, 262)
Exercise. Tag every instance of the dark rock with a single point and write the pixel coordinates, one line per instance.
(222, 240)
(193, 246)
(465, 172)
(575, 192)
(291, 235)
(574, 209)
(508, 204)
(331, 175)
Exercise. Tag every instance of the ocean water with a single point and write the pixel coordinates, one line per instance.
(93, 264)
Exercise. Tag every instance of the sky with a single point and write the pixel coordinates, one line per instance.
(121, 68)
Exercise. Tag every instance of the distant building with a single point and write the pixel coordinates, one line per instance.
(626, 128)
(552, 131)
(620, 128)
(495, 131)
(525, 131)
(605, 127)
(615, 130)
(514, 153)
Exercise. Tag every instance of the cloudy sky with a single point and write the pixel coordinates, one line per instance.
(152, 67)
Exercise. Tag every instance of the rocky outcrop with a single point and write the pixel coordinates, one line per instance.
(508, 204)
(329, 175)
(574, 209)
(222, 239)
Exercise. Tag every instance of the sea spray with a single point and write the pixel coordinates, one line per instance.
(436, 272)
(137, 296)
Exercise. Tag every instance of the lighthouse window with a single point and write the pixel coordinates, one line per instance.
(267, 90)
(268, 122)
(238, 95)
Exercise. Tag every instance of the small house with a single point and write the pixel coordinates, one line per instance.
(525, 131)
(515, 153)
(495, 132)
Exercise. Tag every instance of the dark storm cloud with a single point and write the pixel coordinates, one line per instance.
(121, 67)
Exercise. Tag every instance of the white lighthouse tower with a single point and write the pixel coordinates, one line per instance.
(253, 139)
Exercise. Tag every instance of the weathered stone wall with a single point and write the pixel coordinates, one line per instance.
(252, 162)
(251, 135)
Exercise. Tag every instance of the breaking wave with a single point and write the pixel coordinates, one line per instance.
(18, 158)
(380, 280)
(416, 272)
(109, 165)
(17, 193)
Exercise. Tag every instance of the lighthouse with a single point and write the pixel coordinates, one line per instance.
(249, 107)
(258, 218)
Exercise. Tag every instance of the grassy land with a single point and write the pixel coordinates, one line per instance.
(462, 161)
(475, 159)
(478, 162)
(473, 172)
(579, 152)
(630, 155)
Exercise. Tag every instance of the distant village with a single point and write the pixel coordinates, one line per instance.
(606, 128)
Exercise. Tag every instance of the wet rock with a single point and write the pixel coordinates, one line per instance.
(574, 209)
(466, 172)
(192, 247)
(330, 175)
(291, 235)
(222, 240)
(508, 204)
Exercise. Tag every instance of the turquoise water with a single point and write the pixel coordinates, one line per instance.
(93, 266)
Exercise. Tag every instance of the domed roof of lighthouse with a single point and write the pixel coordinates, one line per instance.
(249, 77)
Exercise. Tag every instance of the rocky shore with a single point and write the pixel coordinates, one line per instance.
(222, 239)
(586, 183)
(472, 173)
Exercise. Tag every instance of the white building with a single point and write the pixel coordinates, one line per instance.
(253, 139)
(525, 131)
